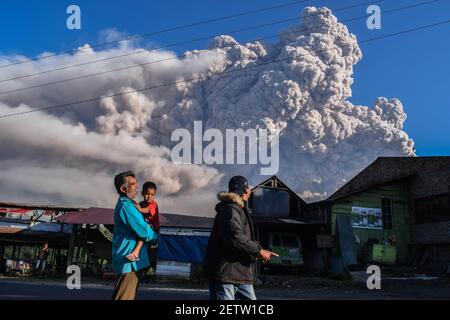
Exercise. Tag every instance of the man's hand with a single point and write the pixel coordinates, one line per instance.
(265, 255)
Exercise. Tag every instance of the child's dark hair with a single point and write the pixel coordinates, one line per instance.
(149, 185)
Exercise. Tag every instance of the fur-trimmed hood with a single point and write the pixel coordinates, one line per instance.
(232, 247)
(231, 196)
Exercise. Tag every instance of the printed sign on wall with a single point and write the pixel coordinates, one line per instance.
(370, 218)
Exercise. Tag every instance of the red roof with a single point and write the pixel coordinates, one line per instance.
(89, 216)
(15, 210)
(106, 216)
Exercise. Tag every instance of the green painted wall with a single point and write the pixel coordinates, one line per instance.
(372, 199)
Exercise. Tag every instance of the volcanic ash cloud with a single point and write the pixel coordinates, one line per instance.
(299, 87)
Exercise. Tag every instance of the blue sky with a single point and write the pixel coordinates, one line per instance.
(414, 67)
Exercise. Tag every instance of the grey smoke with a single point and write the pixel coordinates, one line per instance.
(59, 155)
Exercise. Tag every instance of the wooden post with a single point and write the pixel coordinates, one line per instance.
(76, 249)
(80, 257)
(71, 245)
(2, 253)
(52, 258)
(56, 259)
(79, 249)
(20, 249)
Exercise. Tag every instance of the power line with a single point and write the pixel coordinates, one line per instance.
(172, 45)
(204, 51)
(220, 74)
(142, 35)
(201, 52)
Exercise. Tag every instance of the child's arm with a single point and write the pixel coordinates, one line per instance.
(145, 210)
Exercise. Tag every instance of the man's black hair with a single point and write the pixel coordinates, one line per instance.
(121, 179)
(149, 185)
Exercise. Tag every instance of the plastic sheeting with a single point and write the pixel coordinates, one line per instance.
(50, 227)
(182, 248)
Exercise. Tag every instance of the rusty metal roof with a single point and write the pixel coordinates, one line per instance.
(89, 216)
(9, 230)
(106, 216)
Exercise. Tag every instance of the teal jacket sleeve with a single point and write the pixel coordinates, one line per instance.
(134, 220)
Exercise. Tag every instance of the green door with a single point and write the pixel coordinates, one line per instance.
(384, 254)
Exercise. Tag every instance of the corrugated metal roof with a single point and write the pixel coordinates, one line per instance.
(346, 239)
(276, 220)
(50, 227)
(386, 169)
(31, 206)
(186, 221)
(106, 216)
(89, 216)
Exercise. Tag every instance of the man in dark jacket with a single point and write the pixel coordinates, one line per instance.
(232, 249)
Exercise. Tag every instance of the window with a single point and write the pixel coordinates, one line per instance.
(290, 242)
(276, 240)
(432, 209)
(386, 210)
(269, 202)
(440, 209)
(422, 210)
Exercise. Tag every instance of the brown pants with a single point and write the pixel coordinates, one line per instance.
(126, 286)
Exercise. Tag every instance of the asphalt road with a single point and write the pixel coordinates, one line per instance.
(56, 290)
(20, 290)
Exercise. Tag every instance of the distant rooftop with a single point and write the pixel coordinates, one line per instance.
(388, 169)
(106, 216)
(31, 206)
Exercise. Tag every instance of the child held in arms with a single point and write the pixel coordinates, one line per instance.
(149, 209)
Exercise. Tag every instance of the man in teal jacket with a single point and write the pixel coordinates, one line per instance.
(129, 226)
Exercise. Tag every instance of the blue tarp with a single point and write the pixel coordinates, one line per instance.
(182, 248)
(38, 227)
(51, 227)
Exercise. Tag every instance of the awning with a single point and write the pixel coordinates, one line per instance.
(49, 227)
(11, 228)
(15, 210)
(39, 230)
